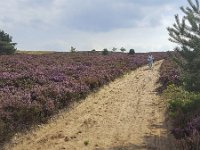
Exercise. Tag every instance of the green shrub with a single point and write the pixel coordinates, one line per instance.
(122, 49)
(192, 81)
(73, 49)
(114, 49)
(132, 51)
(105, 51)
(183, 105)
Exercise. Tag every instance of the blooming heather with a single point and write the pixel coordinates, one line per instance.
(33, 87)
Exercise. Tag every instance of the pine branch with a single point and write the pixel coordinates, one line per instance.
(194, 7)
(197, 4)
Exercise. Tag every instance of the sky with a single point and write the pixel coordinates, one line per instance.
(56, 25)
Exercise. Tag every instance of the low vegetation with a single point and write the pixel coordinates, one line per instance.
(34, 87)
(183, 107)
(184, 98)
(105, 51)
(170, 73)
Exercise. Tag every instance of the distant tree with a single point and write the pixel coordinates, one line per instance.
(73, 49)
(122, 49)
(93, 50)
(132, 51)
(105, 51)
(186, 33)
(114, 49)
(6, 45)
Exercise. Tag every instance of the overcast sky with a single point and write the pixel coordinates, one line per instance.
(89, 24)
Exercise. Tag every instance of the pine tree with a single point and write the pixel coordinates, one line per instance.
(122, 49)
(73, 49)
(114, 49)
(6, 45)
(132, 51)
(186, 33)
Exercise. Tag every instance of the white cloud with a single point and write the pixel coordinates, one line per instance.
(88, 24)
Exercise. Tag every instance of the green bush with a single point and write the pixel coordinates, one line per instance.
(132, 51)
(105, 51)
(192, 81)
(122, 49)
(183, 105)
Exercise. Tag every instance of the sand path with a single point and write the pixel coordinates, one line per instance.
(127, 114)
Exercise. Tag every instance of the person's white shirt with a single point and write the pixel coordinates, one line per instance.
(150, 58)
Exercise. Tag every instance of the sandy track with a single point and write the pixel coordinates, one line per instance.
(127, 114)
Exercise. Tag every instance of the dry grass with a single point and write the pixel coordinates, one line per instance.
(34, 52)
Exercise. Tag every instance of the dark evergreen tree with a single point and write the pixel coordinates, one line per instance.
(105, 51)
(6, 45)
(132, 51)
(186, 33)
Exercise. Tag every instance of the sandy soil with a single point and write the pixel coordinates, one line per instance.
(127, 114)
